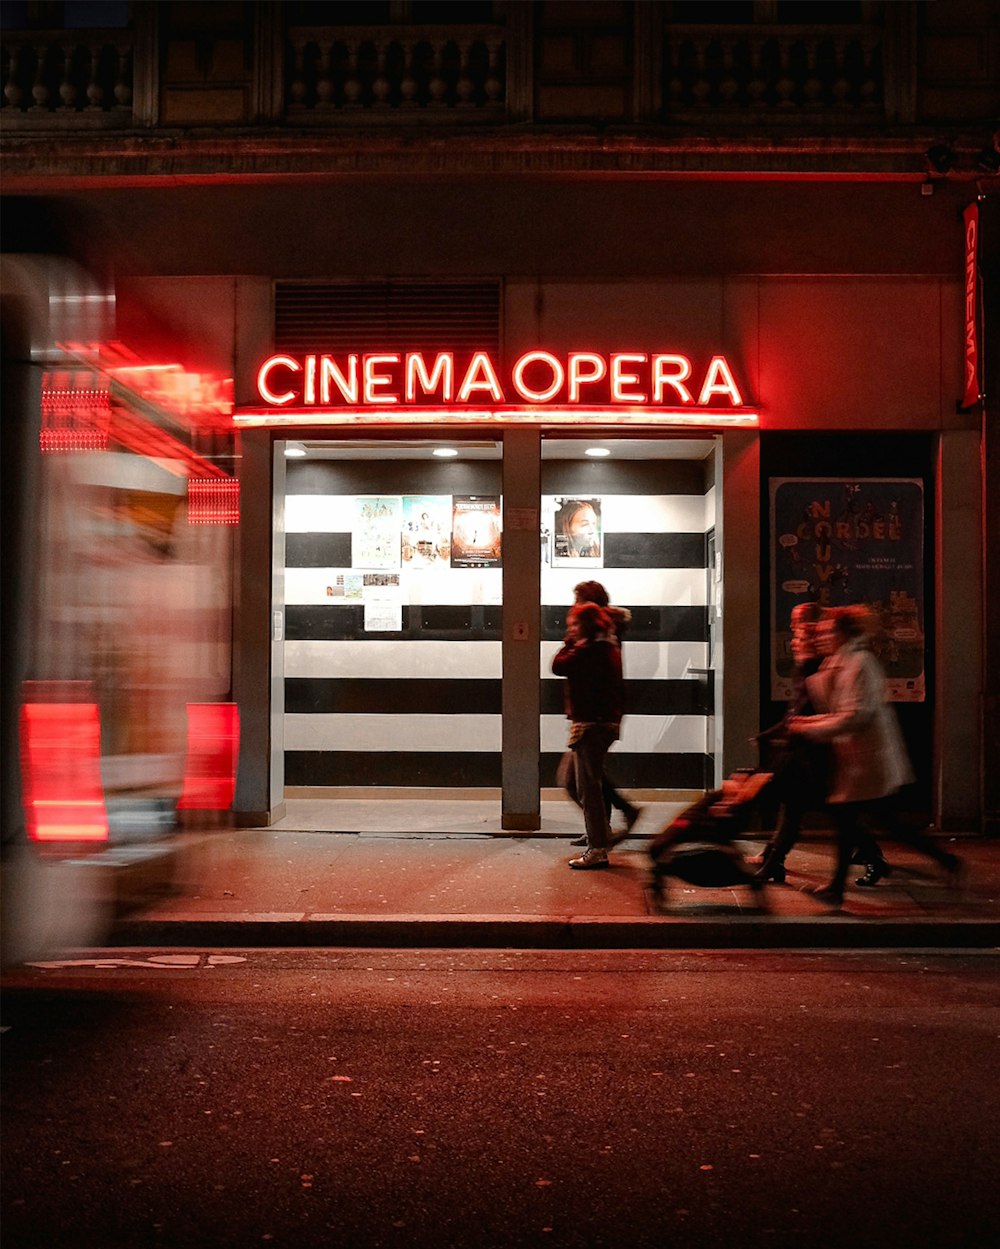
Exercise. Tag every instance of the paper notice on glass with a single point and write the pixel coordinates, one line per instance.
(383, 615)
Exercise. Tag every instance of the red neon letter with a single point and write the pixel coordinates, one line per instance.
(329, 372)
(443, 375)
(480, 364)
(681, 371)
(264, 373)
(538, 396)
(719, 369)
(578, 377)
(309, 389)
(620, 380)
(373, 379)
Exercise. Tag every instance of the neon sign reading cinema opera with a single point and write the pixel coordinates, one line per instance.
(539, 386)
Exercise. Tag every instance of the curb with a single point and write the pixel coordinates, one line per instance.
(555, 933)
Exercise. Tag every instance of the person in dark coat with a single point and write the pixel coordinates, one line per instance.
(594, 592)
(590, 660)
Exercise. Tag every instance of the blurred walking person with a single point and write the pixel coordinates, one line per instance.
(594, 592)
(590, 660)
(870, 763)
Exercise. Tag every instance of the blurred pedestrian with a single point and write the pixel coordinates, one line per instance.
(621, 617)
(870, 763)
(801, 769)
(590, 660)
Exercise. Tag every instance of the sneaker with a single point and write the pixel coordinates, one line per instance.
(579, 841)
(593, 858)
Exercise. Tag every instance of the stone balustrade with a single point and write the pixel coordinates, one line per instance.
(773, 70)
(69, 73)
(422, 71)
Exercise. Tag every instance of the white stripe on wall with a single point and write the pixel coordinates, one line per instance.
(426, 732)
(641, 587)
(646, 661)
(620, 513)
(654, 587)
(373, 659)
(639, 734)
(453, 586)
(472, 733)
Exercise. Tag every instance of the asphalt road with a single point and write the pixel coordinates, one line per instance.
(489, 1099)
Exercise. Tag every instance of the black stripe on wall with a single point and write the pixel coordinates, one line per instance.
(318, 622)
(447, 769)
(384, 696)
(444, 769)
(387, 476)
(630, 771)
(621, 550)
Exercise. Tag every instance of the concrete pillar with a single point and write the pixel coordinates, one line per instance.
(258, 632)
(522, 583)
(959, 633)
(737, 660)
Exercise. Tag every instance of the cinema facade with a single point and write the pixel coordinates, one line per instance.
(760, 364)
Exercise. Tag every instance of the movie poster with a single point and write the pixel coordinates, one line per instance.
(576, 533)
(426, 534)
(375, 537)
(836, 541)
(476, 531)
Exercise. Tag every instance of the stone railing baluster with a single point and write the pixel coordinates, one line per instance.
(353, 87)
(324, 77)
(465, 88)
(39, 91)
(381, 87)
(67, 88)
(94, 91)
(729, 87)
(785, 84)
(123, 86)
(871, 46)
(841, 83)
(437, 86)
(757, 86)
(12, 93)
(298, 89)
(408, 85)
(493, 86)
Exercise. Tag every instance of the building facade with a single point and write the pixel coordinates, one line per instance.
(745, 250)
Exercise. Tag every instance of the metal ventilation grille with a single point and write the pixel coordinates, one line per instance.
(334, 317)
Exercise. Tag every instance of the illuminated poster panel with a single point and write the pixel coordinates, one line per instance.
(837, 541)
(476, 530)
(577, 531)
(426, 536)
(375, 537)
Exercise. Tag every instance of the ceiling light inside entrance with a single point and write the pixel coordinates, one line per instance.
(597, 453)
(295, 450)
(445, 453)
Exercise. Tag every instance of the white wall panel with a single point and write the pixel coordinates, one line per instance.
(372, 659)
(392, 733)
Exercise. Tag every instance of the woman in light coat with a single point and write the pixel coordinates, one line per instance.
(869, 757)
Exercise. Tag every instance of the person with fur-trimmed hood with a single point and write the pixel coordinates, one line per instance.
(590, 660)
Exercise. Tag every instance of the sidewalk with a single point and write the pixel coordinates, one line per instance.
(448, 878)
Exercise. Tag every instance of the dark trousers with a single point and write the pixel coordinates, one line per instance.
(612, 798)
(581, 772)
(853, 840)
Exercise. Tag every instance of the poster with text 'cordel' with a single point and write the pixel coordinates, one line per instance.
(836, 541)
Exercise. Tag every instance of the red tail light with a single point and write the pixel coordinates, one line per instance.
(213, 748)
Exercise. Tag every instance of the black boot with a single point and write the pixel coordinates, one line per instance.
(772, 867)
(876, 872)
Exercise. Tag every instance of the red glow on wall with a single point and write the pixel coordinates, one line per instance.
(212, 753)
(61, 772)
(76, 411)
(213, 501)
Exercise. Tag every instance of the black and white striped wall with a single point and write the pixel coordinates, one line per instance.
(421, 707)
